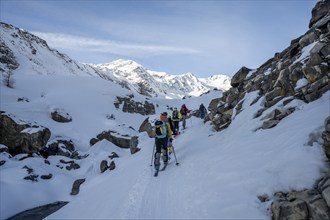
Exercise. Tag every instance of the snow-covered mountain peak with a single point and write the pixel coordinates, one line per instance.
(159, 84)
(122, 65)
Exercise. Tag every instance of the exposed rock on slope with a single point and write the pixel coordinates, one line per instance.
(22, 137)
(301, 71)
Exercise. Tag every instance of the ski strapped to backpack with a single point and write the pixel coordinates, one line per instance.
(160, 129)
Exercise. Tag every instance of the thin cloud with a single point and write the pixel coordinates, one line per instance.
(66, 41)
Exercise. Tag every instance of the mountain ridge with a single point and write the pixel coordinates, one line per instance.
(162, 83)
(33, 54)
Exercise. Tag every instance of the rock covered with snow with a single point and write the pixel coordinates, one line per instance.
(127, 104)
(61, 116)
(22, 137)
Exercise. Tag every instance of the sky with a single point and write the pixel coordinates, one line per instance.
(201, 37)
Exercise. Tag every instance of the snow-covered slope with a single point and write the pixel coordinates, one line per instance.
(33, 56)
(220, 173)
(221, 82)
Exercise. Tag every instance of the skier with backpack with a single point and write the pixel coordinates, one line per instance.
(163, 135)
(169, 120)
(184, 112)
(202, 111)
(176, 118)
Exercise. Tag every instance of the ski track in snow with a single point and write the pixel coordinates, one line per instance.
(149, 195)
(136, 195)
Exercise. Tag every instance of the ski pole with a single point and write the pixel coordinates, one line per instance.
(176, 161)
(152, 156)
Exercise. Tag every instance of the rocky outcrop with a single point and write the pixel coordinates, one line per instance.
(104, 165)
(39, 212)
(310, 203)
(76, 186)
(61, 147)
(326, 137)
(118, 140)
(301, 72)
(61, 116)
(307, 204)
(147, 127)
(22, 137)
(319, 11)
(8, 60)
(131, 106)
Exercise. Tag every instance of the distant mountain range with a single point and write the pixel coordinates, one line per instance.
(151, 83)
(32, 54)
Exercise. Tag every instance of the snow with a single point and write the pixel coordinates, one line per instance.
(220, 173)
(164, 85)
(301, 83)
(305, 52)
(268, 71)
(251, 72)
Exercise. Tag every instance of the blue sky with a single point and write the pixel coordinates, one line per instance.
(202, 37)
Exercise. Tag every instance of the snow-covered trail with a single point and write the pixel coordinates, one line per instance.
(138, 194)
(179, 192)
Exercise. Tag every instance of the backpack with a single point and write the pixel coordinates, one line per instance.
(175, 114)
(160, 129)
(184, 110)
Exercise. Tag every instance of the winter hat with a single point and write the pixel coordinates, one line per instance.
(163, 117)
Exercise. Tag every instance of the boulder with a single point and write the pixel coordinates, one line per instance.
(112, 165)
(240, 76)
(306, 204)
(22, 137)
(61, 116)
(103, 166)
(295, 209)
(133, 145)
(62, 147)
(326, 137)
(76, 186)
(146, 127)
(113, 155)
(324, 188)
(122, 141)
(319, 11)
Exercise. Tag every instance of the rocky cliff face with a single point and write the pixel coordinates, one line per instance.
(301, 71)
